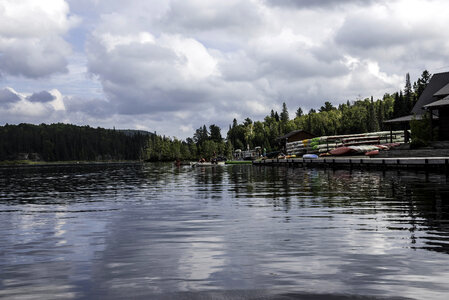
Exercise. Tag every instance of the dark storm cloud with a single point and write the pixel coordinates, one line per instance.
(42, 96)
(7, 96)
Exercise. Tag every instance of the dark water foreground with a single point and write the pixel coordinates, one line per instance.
(233, 232)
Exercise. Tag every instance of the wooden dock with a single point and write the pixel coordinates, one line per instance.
(423, 163)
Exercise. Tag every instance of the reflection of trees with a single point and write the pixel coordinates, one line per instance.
(411, 201)
(209, 181)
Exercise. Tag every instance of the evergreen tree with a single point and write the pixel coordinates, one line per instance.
(299, 112)
(408, 96)
(420, 85)
(397, 109)
(215, 133)
(327, 107)
(380, 114)
(373, 125)
(284, 114)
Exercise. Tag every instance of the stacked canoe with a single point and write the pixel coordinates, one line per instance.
(347, 144)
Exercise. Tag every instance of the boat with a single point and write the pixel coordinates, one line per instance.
(372, 152)
(340, 151)
(310, 156)
(238, 162)
(194, 164)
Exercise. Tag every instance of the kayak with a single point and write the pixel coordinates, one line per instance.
(313, 156)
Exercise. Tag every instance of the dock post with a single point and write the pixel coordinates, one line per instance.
(446, 166)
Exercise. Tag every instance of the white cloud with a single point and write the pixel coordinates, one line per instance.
(172, 66)
(31, 37)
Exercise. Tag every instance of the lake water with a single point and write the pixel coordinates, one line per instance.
(155, 231)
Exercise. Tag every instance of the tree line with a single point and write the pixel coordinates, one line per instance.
(59, 142)
(359, 116)
(65, 142)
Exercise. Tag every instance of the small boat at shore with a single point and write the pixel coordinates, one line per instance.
(194, 164)
(239, 162)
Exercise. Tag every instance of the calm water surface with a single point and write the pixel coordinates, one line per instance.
(155, 231)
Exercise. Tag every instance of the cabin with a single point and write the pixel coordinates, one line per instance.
(435, 100)
(294, 136)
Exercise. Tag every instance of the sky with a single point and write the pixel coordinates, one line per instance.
(172, 66)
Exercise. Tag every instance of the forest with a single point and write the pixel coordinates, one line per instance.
(63, 142)
(357, 116)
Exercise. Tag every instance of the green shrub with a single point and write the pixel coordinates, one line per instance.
(421, 132)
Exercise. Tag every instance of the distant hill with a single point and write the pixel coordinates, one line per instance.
(66, 142)
(131, 132)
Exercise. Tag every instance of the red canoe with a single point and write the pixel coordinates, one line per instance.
(371, 153)
(340, 151)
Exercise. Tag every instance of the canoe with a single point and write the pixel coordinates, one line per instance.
(372, 153)
(340, 151)
(205, 164)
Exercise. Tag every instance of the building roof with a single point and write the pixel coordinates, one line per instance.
(404, 119)
(444, 91)
(439, 103)
(292, 133)
(436, 83)
(437, 87)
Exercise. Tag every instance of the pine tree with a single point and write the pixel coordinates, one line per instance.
(284, 114)
(215, 133)
(408, 96)
(380, 115)
(372, 118)
(327, 107)
(422, 83)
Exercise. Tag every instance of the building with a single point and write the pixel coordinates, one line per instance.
(434, 99)
(294, 136)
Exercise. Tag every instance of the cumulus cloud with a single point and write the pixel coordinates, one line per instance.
(172, 66)
(95, 108)
(42, 96)
(32, 37)
(8, 95)
(315, 3)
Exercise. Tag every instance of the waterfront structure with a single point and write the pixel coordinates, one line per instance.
(435, 100)
(249, 154)
(362, 162)
(294, 136)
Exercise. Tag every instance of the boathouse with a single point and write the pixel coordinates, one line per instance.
(435, 100)
(294, 136)
(297, 135)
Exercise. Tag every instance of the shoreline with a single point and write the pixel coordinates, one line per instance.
(28, 163)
